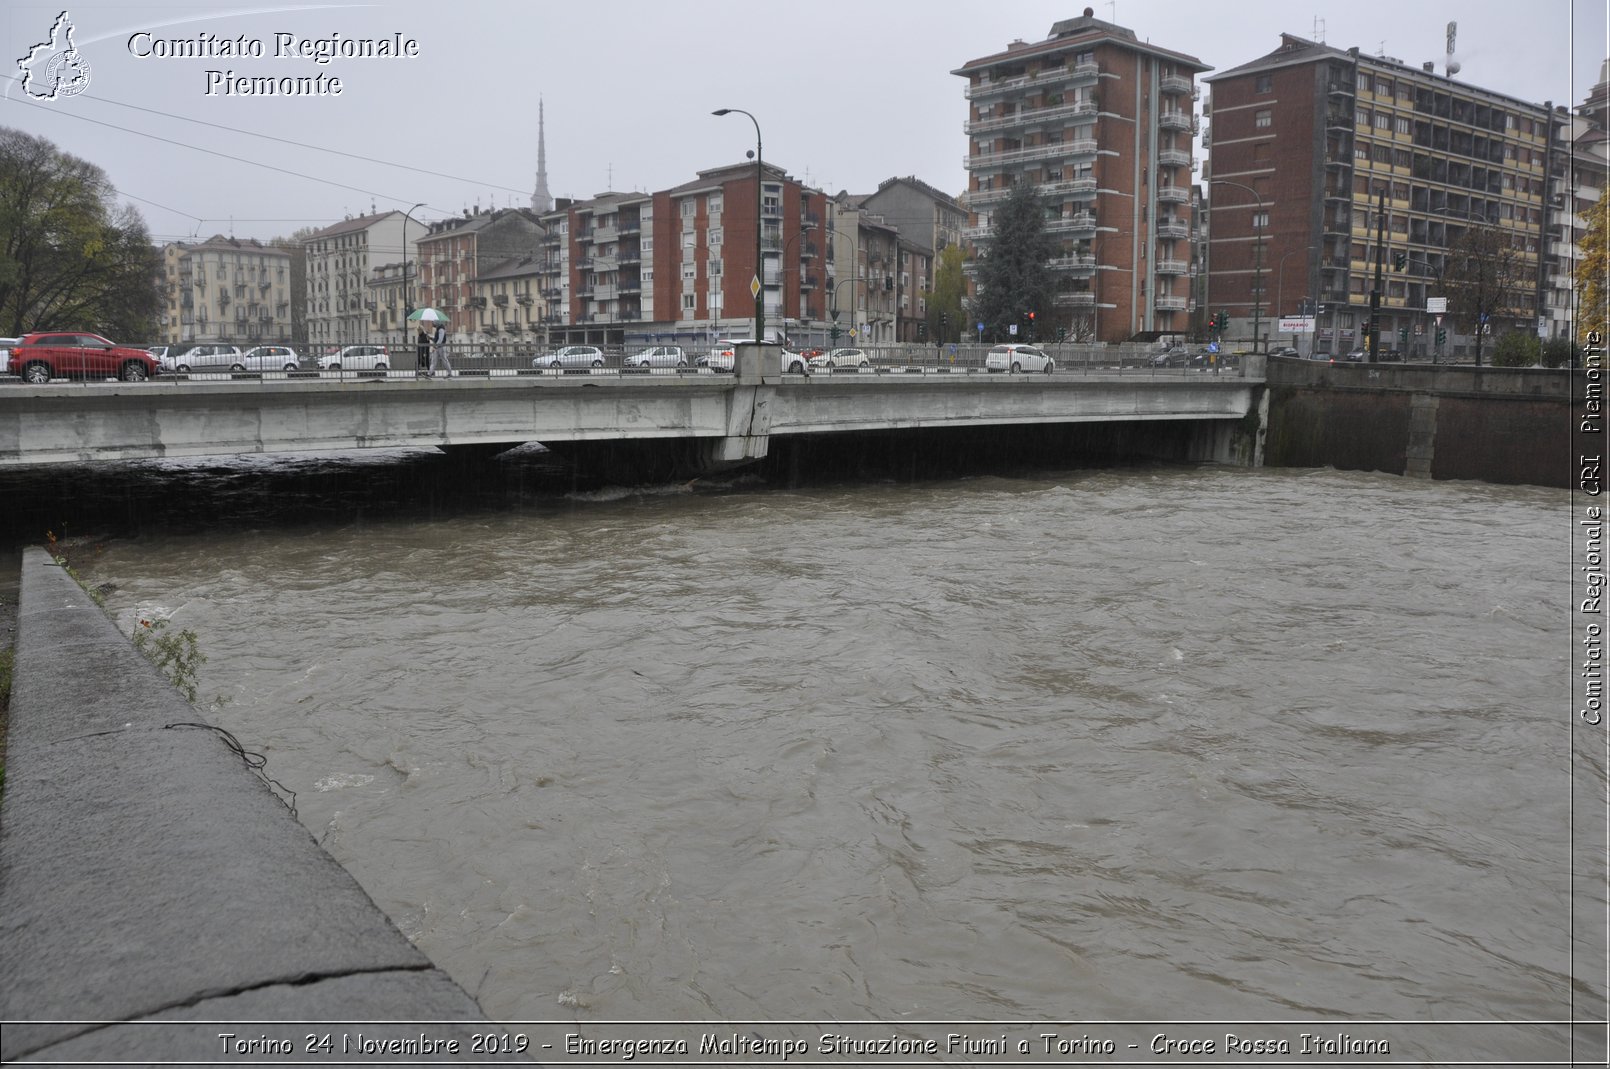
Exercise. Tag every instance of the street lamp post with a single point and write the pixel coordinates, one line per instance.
(1257, 268)
(408, 308)
(756, 287)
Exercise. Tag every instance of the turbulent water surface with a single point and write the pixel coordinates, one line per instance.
(1189, 743)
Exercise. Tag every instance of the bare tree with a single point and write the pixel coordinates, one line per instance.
(1487, 276)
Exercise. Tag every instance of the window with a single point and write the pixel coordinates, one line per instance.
(1383, 121)
(713, 238)
(1260, 220)
(1362, 116)
(1263, 119)
(687, 302)
(688, 208)
(1264, 84)
(1402, 125)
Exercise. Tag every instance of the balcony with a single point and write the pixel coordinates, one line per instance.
(1173, 83)
(1173, 267)
(500, 299)
(524, 298)
(1030, 116)
(1073, 263)
(1075, 299)
(1173, 195)
(1057, 151)
(604, 234)
(1170, 228)
(1172, 157)
(1080, 222)
(476, 302)
(1170, 304)
(1175, 120)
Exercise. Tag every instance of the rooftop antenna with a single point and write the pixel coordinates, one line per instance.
(1319, 29)
(1112, 8)
(1450, 65)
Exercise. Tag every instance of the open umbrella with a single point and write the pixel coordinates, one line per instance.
(427, 315)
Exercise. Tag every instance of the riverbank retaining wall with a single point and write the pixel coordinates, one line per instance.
(1500, 425)
(150, 880)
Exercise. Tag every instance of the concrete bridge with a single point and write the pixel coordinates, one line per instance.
(658, 424)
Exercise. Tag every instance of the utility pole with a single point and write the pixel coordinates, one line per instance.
(1375, 294)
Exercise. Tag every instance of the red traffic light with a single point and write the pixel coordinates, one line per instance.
(1031, 315)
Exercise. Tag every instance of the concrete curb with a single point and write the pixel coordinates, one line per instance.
(147, 874)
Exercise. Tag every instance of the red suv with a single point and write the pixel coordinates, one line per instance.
(47, 355)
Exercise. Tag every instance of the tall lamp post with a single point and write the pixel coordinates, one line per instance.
(755, 287)
(1257, 268)
(408, 307)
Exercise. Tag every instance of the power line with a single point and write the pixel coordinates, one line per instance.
(300, 144)
(213, 152)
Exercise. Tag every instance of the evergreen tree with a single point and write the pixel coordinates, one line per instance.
(1014, 278)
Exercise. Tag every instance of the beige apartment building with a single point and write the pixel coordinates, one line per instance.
(231, 290)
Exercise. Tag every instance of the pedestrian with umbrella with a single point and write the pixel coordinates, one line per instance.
(438, 341)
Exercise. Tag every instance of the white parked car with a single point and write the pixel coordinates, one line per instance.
(356, 358)
(724, 357)
(1014, 358)
(205, 357)
(268, 358)
(658, 356)
(571, 356)
(841, 358)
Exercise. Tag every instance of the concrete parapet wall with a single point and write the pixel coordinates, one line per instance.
(1501, 425)
(147, 875)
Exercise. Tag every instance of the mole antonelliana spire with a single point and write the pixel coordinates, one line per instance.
(541, 200)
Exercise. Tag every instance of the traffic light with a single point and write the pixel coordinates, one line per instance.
(1400, 260)
(1403, 335)
(922, 330)
(888, 282)
(1442, 336)
(1062, 334)
(833, 332)
(1031, 326)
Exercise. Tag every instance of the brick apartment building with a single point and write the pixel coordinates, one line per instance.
(1102, 125)
(1305, 140)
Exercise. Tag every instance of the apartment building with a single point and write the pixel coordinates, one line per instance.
(342, 308)
(704, 262)
(1102, 124)
(228, 290)
(926, 217)
(610, 265)
(453, 252)
(1579, 170)
(507, 304)
(1304, 144)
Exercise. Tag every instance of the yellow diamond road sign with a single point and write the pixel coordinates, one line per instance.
(754, 286)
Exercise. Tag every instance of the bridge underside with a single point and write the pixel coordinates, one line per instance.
(921, 453)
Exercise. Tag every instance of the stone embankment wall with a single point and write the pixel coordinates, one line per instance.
(150, 881)
(1500, 425)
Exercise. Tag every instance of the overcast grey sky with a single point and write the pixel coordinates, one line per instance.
(846, 93)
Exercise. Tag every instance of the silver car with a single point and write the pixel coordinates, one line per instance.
(572, 356)
(658, 356)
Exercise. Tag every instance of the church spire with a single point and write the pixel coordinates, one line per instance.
(541, 199)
